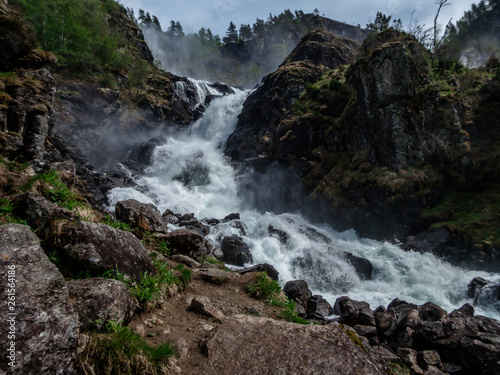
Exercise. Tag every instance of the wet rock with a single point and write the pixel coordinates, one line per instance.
(140, 215)
(282, 348)
(362, 266)
(188, 242)
(140, 156)
(432, 312)
(233, 216)
(203, 305)
(264, 267)
(39, 211)
(464, 311)
(353, 312)
(99, 300)
(319, 307)
(298, 291)
(194, 173)
(281, 234)
(98, 247)
(46, 327)
(169, 217)
(235, 250)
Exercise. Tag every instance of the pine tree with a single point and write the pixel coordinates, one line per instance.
(231, 34)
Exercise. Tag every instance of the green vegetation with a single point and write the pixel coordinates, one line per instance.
(474, 216)
(353, 336)
(50, 185)
(267, 289)
(78, 33)
(151, 288)
(118, 350)
(6, 215)
(117, 224)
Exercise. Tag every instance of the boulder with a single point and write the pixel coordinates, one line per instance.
(298, 291)
(428, 358)
(140, 215)
(99, 300)
(246, 345)
(188, 242)
(318, 307)
(216, 276)
(39, 211)
(362, 266)
(98, 247)
(264, 267)
(353, 312)
(184, 259)
(432, 312)
(235, 250)
(204, 306)
(464, 311)
(45, 327)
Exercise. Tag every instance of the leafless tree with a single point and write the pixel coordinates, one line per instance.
(440, 4)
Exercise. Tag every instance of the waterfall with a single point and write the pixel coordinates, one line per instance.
(190, 174)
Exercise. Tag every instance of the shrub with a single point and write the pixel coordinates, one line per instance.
(266, 289)
(55, 190)
(112, 222)
(121, 351)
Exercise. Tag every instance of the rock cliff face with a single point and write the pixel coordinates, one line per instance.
(378, 141)
(256, 131)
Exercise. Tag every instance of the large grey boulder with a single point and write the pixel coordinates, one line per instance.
(43, 333)
(97, 246)
(245, 344)
(99, 300)
(141, 215)
(39, 211)
(188, 242)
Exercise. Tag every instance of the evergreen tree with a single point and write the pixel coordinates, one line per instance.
(381, 23)
(259, 28)
(231, 34)
(245, 32)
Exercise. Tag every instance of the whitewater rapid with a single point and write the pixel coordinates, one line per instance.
(314, 253)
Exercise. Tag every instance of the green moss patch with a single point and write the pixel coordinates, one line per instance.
(472, 215)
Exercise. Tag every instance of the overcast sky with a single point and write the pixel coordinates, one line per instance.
(216, 14)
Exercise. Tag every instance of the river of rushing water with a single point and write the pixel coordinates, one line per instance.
(311, 252)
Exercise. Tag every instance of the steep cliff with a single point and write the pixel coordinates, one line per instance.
(382, 140)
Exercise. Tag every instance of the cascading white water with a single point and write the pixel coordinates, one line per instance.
(190, 174)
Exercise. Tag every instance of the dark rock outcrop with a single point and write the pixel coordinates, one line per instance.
(99, 248)
(39, 211)
(282, 348)
(255, 137)
(99, 300)
(298, 291)
(426, 337)
(144, 216)
(235, 250)
(188, 242)
(39, 316)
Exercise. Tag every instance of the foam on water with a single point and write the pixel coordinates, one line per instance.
(189, 174)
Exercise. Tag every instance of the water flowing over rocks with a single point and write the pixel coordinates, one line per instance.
(46, 326)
